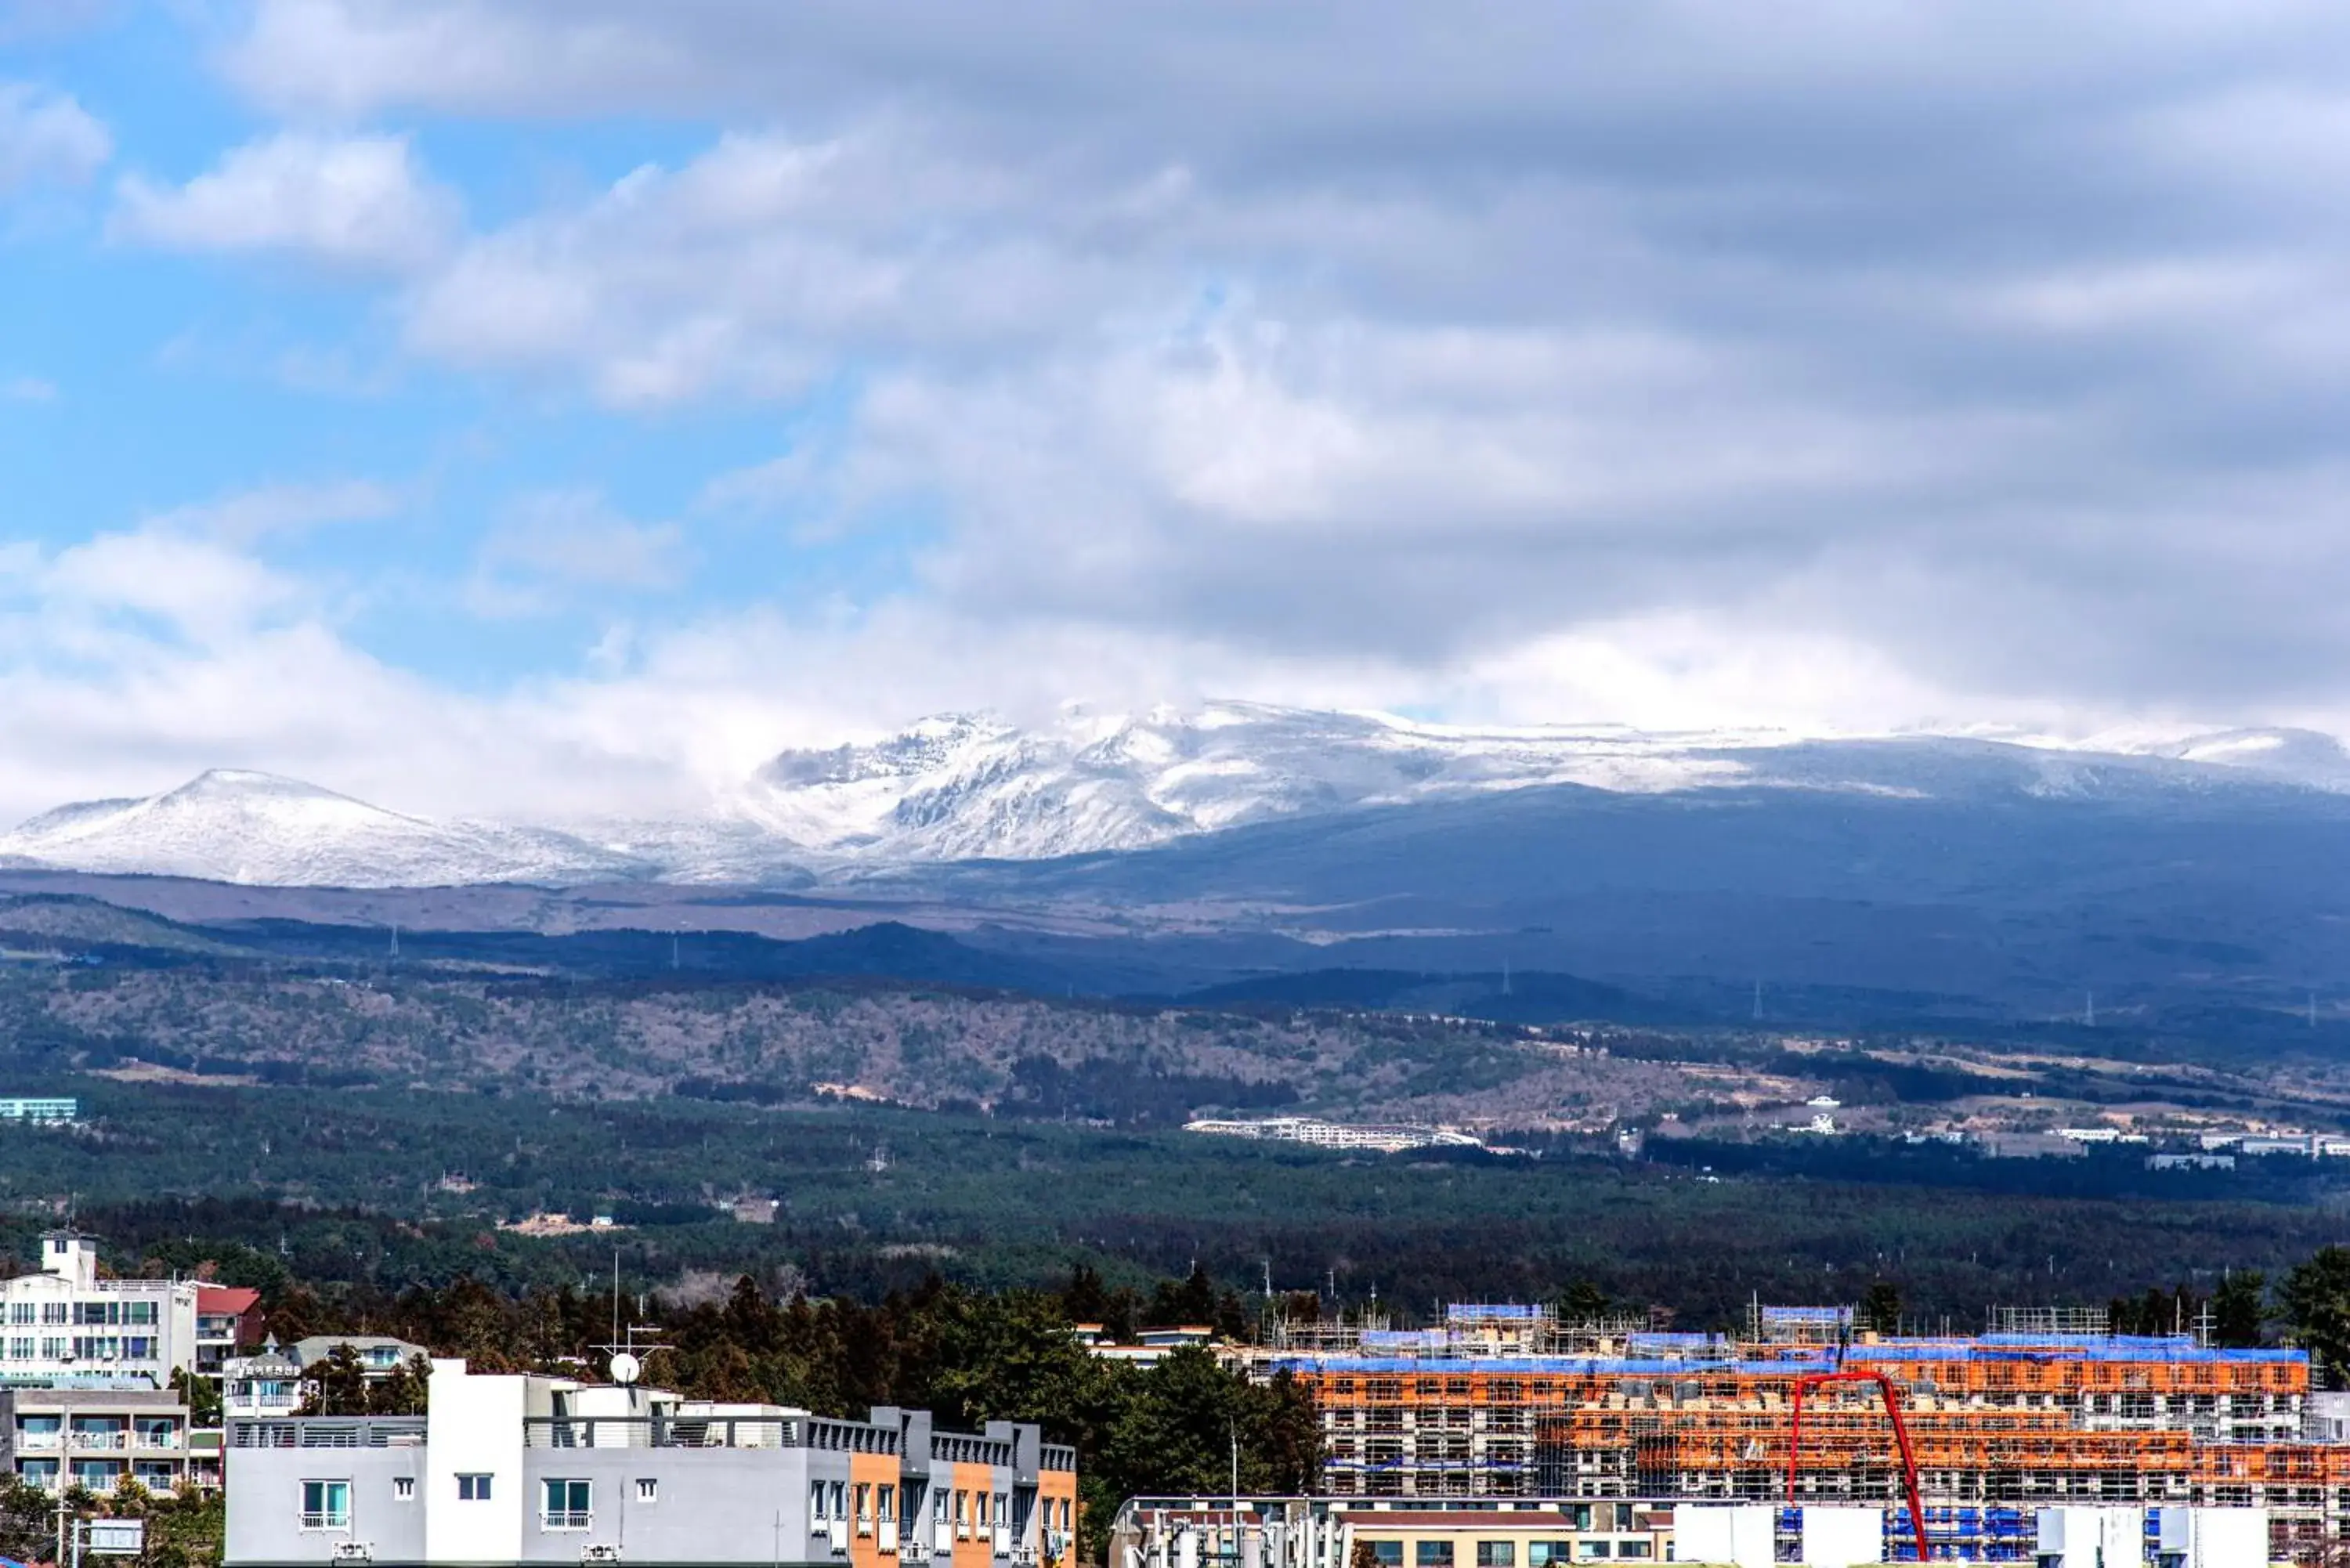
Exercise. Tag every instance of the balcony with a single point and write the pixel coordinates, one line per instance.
(567, 1519)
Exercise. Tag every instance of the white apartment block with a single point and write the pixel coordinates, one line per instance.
(65, 1320)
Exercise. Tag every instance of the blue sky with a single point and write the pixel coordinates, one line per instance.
(554, 406)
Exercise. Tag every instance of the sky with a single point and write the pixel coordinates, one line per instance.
(547, 408)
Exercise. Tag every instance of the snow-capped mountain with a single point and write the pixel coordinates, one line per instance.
(233, 826)
(973, 788)
(961, 787)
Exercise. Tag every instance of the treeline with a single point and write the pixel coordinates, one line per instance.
(969, 1355)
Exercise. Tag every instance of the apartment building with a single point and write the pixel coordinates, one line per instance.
(228, 1321)
(65, 1319)
(522, 1467)
(269, 1382)
(88, 1434)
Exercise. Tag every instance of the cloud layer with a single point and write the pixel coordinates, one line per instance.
(1931, 365)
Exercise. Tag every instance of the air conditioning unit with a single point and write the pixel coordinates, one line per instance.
(354, 1551)
(599, 1554)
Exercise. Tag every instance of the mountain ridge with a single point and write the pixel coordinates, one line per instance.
(968, 788)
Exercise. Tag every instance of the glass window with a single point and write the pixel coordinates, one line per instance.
(1388, 1553)
(1640, 1548)
(815, 1504)
(326, 1505)
(1590, 1549)
(1432, 1554)
(886, 1502)
(1542, 1553)
(473, 1489)
(647, 1489)
(1497, 1554)
(1579, 1515)
(1623, 1516)
(568, 1505)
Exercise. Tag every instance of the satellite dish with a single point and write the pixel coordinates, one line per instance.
(626, 1368)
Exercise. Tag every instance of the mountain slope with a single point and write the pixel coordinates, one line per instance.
(234, 826)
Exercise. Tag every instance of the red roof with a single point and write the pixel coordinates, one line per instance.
(217, 1301)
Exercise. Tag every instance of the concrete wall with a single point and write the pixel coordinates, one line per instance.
(265, 1524)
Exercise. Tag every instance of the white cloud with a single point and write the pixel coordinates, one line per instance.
(1522, 361)
(251, 515)
(46, 135)
(549, 547)
(355, 202)
(28, 390)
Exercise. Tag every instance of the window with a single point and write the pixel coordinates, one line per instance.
(1631, 1548)
(1386, 1553)
(42, 1473)
(864, 1508)
(20, 1313)
(1497, 1554)
(1432, 1554)
(886, 1502)
(138, 1312)
(326, 1505)
(838, 1503)
(403, 1488)
(20, 1348)
(54, 1314)
(1623, 1516)
(1544, 1553)
(816, 1505)
(568, 1505)
(1003, 1515)
(473, 1489)
(647, 1489)
(1590, 1549)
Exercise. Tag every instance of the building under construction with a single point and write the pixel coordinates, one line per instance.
(1980, 1432)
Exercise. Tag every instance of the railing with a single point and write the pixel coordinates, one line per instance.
(665, 1432)
(566, 1519)
(327, 1521)
(319, 1432)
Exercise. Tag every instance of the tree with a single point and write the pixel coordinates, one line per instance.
(1583, 1301)
(335, 1384)
(203, 1395)
(2237, 1307)
(405, 1391)
(1880, 1309)
(2316, 1297)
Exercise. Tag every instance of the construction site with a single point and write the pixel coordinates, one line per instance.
(1978, 1434)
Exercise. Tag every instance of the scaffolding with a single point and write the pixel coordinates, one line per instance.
(1998, 1426)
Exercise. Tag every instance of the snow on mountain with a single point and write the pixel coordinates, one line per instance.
(233, 826)
(972, 788)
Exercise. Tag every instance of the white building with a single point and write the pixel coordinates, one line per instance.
(66, 1319)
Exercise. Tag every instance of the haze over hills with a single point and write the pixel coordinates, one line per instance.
(964, 788)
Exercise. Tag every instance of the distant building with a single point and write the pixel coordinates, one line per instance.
(228, 1321)
(261, 1386)
(97, 1438)
(379, 1355)
(1151, 1345)
(523, 1467)
(66, 1319)
(2190, 1162)
(40, 1112)
(1381, 1138)
(753, 1211)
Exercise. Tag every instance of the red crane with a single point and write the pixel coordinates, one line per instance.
(1900, 1436)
